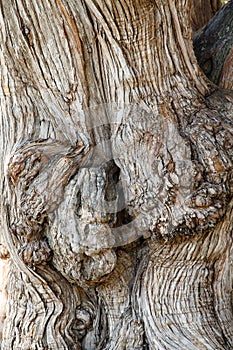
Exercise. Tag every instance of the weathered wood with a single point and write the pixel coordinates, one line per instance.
(202, 11)
(3, 296)
(116, 179)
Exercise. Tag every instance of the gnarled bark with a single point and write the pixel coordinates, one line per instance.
(116, 181)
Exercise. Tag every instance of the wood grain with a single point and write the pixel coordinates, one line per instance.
(116, 179)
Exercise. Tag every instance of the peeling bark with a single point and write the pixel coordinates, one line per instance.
(116, 179)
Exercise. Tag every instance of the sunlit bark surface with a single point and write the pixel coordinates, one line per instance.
(116, 179)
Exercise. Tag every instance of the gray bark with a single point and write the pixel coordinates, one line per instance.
(116, 179)
(213, 43)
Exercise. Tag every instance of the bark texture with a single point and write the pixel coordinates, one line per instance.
(226, 77)
(3, 296)
(116, 179)
(202, 11)
(213, 46)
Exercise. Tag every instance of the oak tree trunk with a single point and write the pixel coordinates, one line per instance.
(116, 179)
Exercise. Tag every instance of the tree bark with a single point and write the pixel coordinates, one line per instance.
(202, 11)
(116, 179)
(213, 46)
(226, 77)
(3, 296)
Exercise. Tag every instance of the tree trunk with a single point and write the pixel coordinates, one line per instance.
(213, 45)
(226, 77)
(202, 11)
(116, 179)
(3, 297)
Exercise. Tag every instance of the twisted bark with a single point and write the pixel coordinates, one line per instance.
(116, 181)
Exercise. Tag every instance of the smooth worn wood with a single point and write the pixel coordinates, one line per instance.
(116, 179)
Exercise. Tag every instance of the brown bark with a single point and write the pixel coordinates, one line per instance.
(116, 179)
(202, 11)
